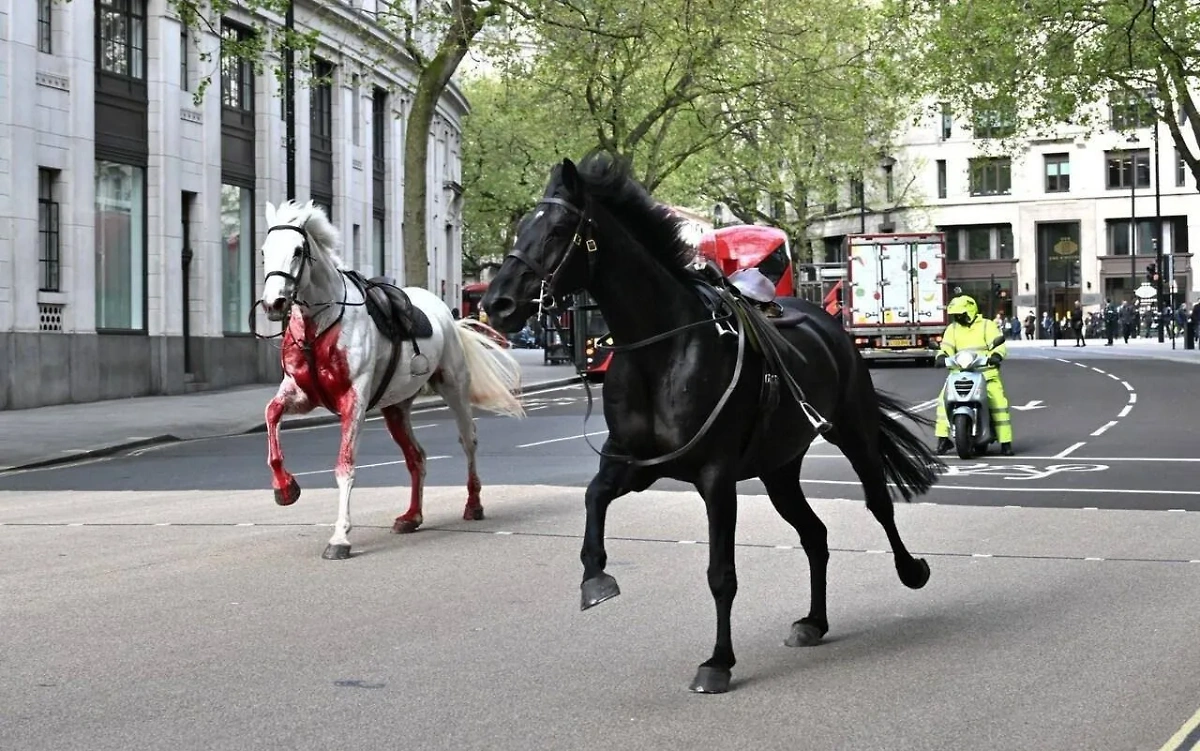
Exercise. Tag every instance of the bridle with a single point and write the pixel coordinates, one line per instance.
(548, 297)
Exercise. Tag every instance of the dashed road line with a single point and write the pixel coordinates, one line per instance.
(1069, 450)
(1111, 423)
(365, 466)
(622, 538)
(1104, 427)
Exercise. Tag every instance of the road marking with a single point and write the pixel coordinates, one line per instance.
(1104, 427)
(1127, 386)
(1113, 376)
(1066, 452)
(559, 440)
(953, 487)
(1187, 737)
(1125, 411)
(1079, 364)
(1133, 398)
(364, 466)
(1098, 370)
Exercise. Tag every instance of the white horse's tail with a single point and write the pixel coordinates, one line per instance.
(495, 373)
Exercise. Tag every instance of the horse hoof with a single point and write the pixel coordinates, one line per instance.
(473, 513)
(710, 680)
(336, 552)
(598, 589)
(404, 526)
(290, 495)
(915, 575)
(804, 634)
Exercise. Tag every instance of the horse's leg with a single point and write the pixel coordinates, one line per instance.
(611, 482)
(720, 501)
(351, 409)
(288, 399)
(783, 487)
(398, 419)
(860, 448)
(458, 399)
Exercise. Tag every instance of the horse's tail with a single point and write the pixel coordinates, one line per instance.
(907, 461)
(495, 373)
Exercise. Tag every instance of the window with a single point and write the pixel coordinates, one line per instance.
(1118, 237)
(979, 244)
(237, 257)
(120, 246)
(379, 124)
(355, 247)
(1058, 173)
(121, 37)
(321, 108)
(379, 243)
(1004, 249)
(889, 184)
(947, 121)
(857, 196)
(1130, 111)
(1119, 169)
(237, 72)
(1180, 169)
(355, 116)
(991, 176)
(941, 178)
(990, 123)
(184, 77)
(953, 244)
(50, 255)
(45, 27)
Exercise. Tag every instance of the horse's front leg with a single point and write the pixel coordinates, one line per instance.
(352, 409)
(289, 399)
(609, 484)
(720, 502)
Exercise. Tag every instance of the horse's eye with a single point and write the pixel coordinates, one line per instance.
(299, 250)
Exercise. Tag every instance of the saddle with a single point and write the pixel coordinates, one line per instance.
(397, 319)
(756, 288)
(390, 309)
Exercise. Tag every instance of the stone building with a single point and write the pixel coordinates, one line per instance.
(131, 214)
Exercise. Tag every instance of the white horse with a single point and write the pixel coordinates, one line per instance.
(335, 356)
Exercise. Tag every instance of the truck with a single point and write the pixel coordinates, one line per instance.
(894, 294)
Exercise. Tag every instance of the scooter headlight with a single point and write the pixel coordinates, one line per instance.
(964, 359)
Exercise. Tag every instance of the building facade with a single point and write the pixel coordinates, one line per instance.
(1035, 231)
(131, 212)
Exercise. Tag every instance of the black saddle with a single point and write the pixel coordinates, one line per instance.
(781, 317)
(389, 307)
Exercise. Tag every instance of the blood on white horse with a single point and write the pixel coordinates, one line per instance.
(334, 357)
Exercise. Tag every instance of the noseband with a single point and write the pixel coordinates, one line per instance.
(548, 299)
(305, 263)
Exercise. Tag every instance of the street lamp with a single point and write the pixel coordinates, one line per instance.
(1158, 240)
(1132, 140)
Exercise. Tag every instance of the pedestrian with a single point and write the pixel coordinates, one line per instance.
(1111, 318)
(1030, 323)
(1077, 324)
(1128, 318)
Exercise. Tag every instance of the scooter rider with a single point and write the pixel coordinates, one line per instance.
(969, 330)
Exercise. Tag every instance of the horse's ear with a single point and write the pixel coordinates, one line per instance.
(570, 176)
(270, 213)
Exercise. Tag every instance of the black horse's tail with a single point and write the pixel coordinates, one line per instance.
(907, 461)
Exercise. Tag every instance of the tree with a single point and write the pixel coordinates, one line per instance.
(434, 43)
(1038, 65)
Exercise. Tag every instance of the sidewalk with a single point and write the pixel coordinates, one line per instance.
(68, 432)
(1141, 347)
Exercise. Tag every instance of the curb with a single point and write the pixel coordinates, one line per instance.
(432, 402)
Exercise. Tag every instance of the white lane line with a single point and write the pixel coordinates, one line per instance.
(1098, 370)
(952, 487)
(1127, 386)
(1060, 359)
(1113, 376)
(1133, 398)
(559, 440)
(364, 466)
(1067, 451)
(1104, 427)
(1079, 364)
(1124, 411)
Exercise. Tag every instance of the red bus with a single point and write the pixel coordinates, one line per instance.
(471, 295)
(733, 248)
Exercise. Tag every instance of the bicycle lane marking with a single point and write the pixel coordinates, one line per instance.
(1125, 410)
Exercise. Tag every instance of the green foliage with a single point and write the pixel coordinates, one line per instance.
(1044, 64)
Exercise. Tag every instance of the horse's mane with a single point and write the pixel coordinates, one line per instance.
(312, 218)
(609, 180)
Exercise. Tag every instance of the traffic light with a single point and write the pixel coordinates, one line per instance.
(1151, 273)
(996, 290)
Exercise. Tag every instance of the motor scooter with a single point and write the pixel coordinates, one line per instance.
(966, 401)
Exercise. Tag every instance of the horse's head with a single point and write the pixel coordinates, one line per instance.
(550, 248)
(288, 253)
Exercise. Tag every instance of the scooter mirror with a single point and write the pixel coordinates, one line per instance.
(998, 341)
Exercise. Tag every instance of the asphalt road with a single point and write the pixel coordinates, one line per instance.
(162, 600)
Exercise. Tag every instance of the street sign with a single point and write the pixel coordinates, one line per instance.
(1145, 292)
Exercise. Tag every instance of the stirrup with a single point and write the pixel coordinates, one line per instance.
(821, 425)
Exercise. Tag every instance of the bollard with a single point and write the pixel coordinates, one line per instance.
(1189, 337)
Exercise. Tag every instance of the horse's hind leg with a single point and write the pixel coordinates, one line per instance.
(783, 487)
(868, 465)
(458, 399)
(398, 419)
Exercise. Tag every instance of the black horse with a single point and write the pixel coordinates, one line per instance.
(693, 391)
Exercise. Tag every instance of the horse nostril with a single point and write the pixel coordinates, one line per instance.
(502, 306)
(277, 304)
